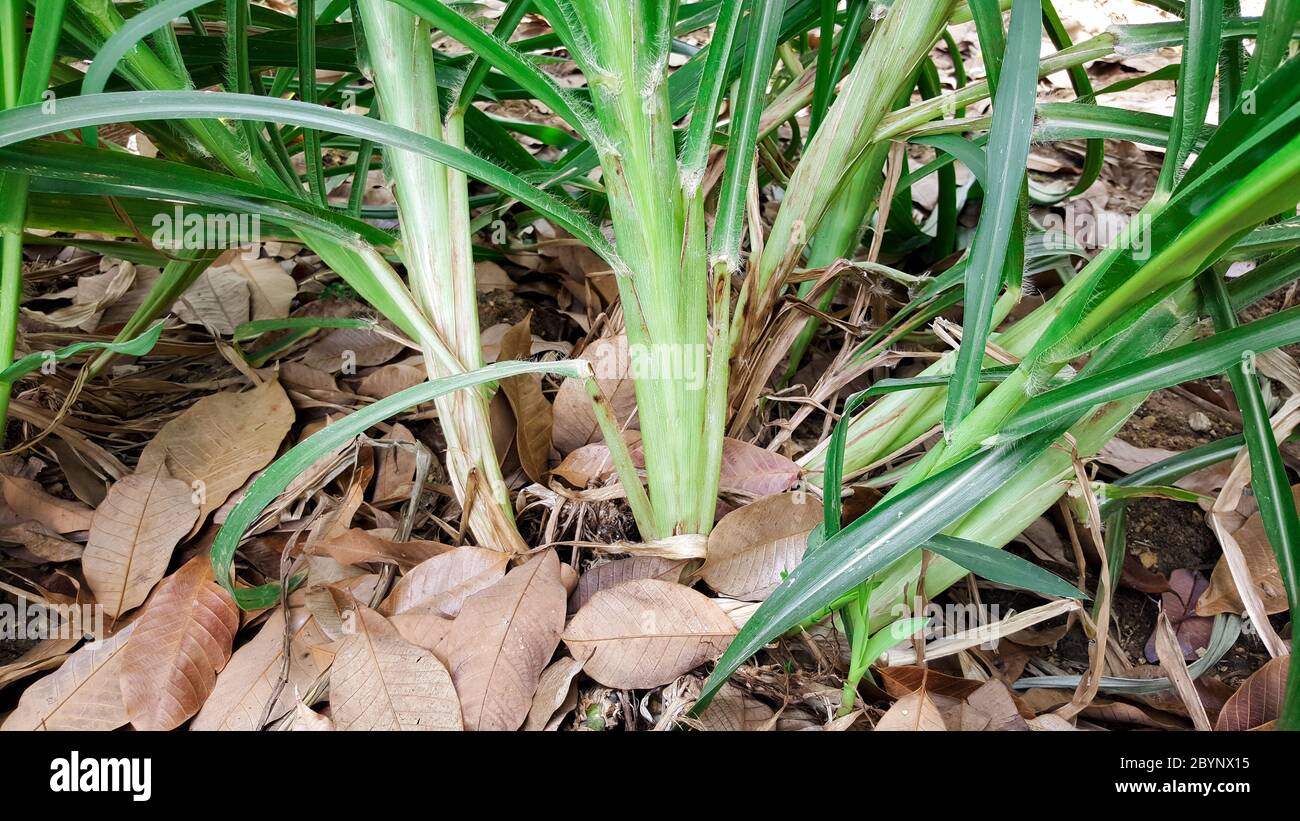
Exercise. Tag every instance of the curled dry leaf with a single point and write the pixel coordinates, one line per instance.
(29, 502)
(754, 545)
(604, 576)
(339, 348)
(441, 584)
(575, 423)
(358, 546)
(83, 694)
(395, 473)
(556, 695)
(645, 633)
(380, 681)
(533, 414)
(1222, 595)
(305, 719)
(914, 711)
(217, 299)
(1259, 699)
(220, 441)
(753, 471)
(41, 542)
(501, 641)
(179, 644)
(245, 685)
(733, 710)
(132, 536)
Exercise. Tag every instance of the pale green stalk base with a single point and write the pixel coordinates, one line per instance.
(433, 202)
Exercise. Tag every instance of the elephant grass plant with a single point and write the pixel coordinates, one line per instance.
(659, 171)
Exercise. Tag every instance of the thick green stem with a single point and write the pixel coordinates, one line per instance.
(433, 202)
(663, 290)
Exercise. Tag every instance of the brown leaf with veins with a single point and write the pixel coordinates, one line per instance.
(502, 640)
(180, 642)
(575, 422)
(441, 584)
(734, 710)
(915, 712)
(753, 545)
(220, 441)
(246, 683)
(132, 536)
(645, 633)
(1222, 596)
(29, 502)
(555, 696)
(83, 694)
(1259, 699)
(533, 414)
(380, 681)
(604, 576)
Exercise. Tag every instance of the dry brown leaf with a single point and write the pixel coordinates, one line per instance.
(555, 691)
(272, 290)
(533, 415)
(380, 681)
(591, 464)
(1259, 699)
(754, 545)
(47, 654)
(395, 472)
(132, 536)
(181, 641)
(501, 641)
(441, 584)
(345, 349)
(358, 546)
(305, 719)
(425, 630)
(575, 423)
(908, 678)
(734, 710)
(41, 542)
(391, 379)
(1222, 596)
(29, 502)
(245, 685)
(645, 633)
(1175, 667)
(220, 441)
(754, 471)
(993, 699)
(218, 299)
(914, 711)
(83, 694)
(604, 576)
